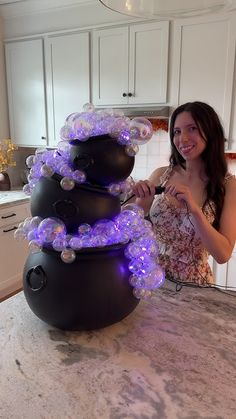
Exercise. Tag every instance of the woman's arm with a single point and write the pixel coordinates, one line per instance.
(145, 189)
(220, 243)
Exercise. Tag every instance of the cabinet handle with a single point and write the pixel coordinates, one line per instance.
(130, 94)
(10, 229)
(124, 94)
(8, 216)
(43, 138)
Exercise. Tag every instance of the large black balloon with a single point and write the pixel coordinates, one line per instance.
(83, 204)
(90, 293)
(93, 291)
(102, 158)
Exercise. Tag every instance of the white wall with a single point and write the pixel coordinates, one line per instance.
(4, 126)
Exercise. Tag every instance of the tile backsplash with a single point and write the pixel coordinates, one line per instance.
(156, 153)
(152, 155)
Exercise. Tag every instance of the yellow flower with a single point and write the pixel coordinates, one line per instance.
(7, 149)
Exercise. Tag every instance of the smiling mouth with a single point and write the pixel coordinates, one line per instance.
(186, 149)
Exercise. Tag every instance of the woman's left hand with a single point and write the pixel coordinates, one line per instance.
(182, 193)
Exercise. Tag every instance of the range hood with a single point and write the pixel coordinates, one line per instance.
(147, 111)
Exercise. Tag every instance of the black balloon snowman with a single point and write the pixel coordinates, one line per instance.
(91, 259)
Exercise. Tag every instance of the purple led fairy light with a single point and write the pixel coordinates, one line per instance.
(141, 250)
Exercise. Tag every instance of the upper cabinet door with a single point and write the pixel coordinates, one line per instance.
(68, 79)
(148, 58)
(26, 92)
(110, 66)
(204, 63)
(130, 64)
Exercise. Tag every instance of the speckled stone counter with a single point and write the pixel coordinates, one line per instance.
(174, 357)
(12, 197)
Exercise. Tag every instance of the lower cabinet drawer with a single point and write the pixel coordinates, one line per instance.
(13, 252)
(13, 214)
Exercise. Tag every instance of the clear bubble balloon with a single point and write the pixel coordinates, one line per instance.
(88, 107)
(142, 265)
(65, 170)
(67, 184)
(51, 228)
(30, 161)
(59, 244)
(35, 221)
(84, 228)
(141, 130)
(70, 118)
(67, 133)
(118, 125)
(114, 189)
(79, 176)
(134, 208)
(132, 150)
(68, 255)
(32, 235)
(19, 234)
(142, 293)
(35, 246)
(46, 171)
(76, 243)
(62, 147)
(136, 281)
(27, 189)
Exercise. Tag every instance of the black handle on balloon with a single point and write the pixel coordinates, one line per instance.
(158, 190)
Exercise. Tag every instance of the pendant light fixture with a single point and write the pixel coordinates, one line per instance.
(154, 9)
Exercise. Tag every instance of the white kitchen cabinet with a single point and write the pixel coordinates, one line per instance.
(130, 64)
(203, 63)
(47, 79)
(231, 272)
(13, 253)
(67, 78)
(225, 274)
(26, 92)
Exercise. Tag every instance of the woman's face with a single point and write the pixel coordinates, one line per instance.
(187, 137)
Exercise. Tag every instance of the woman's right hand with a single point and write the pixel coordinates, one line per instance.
(144, 189)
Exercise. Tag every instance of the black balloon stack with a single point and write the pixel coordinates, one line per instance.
(91, 258)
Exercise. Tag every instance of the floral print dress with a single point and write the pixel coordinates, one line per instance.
(181, 253)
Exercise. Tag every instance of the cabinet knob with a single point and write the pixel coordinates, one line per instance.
(130, 94)
(43, 138)
(124, 94)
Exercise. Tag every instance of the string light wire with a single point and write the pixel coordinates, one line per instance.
(180, 284)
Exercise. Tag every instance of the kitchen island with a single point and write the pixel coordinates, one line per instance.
(173, 357)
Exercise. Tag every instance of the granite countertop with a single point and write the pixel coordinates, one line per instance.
(12, 197)
(173, 357)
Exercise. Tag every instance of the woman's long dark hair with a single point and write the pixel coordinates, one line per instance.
(213, 155)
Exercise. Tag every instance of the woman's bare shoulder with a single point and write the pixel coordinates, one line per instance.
(230, 184)
(157, 174)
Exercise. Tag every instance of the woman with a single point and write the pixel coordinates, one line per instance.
(196, 214)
